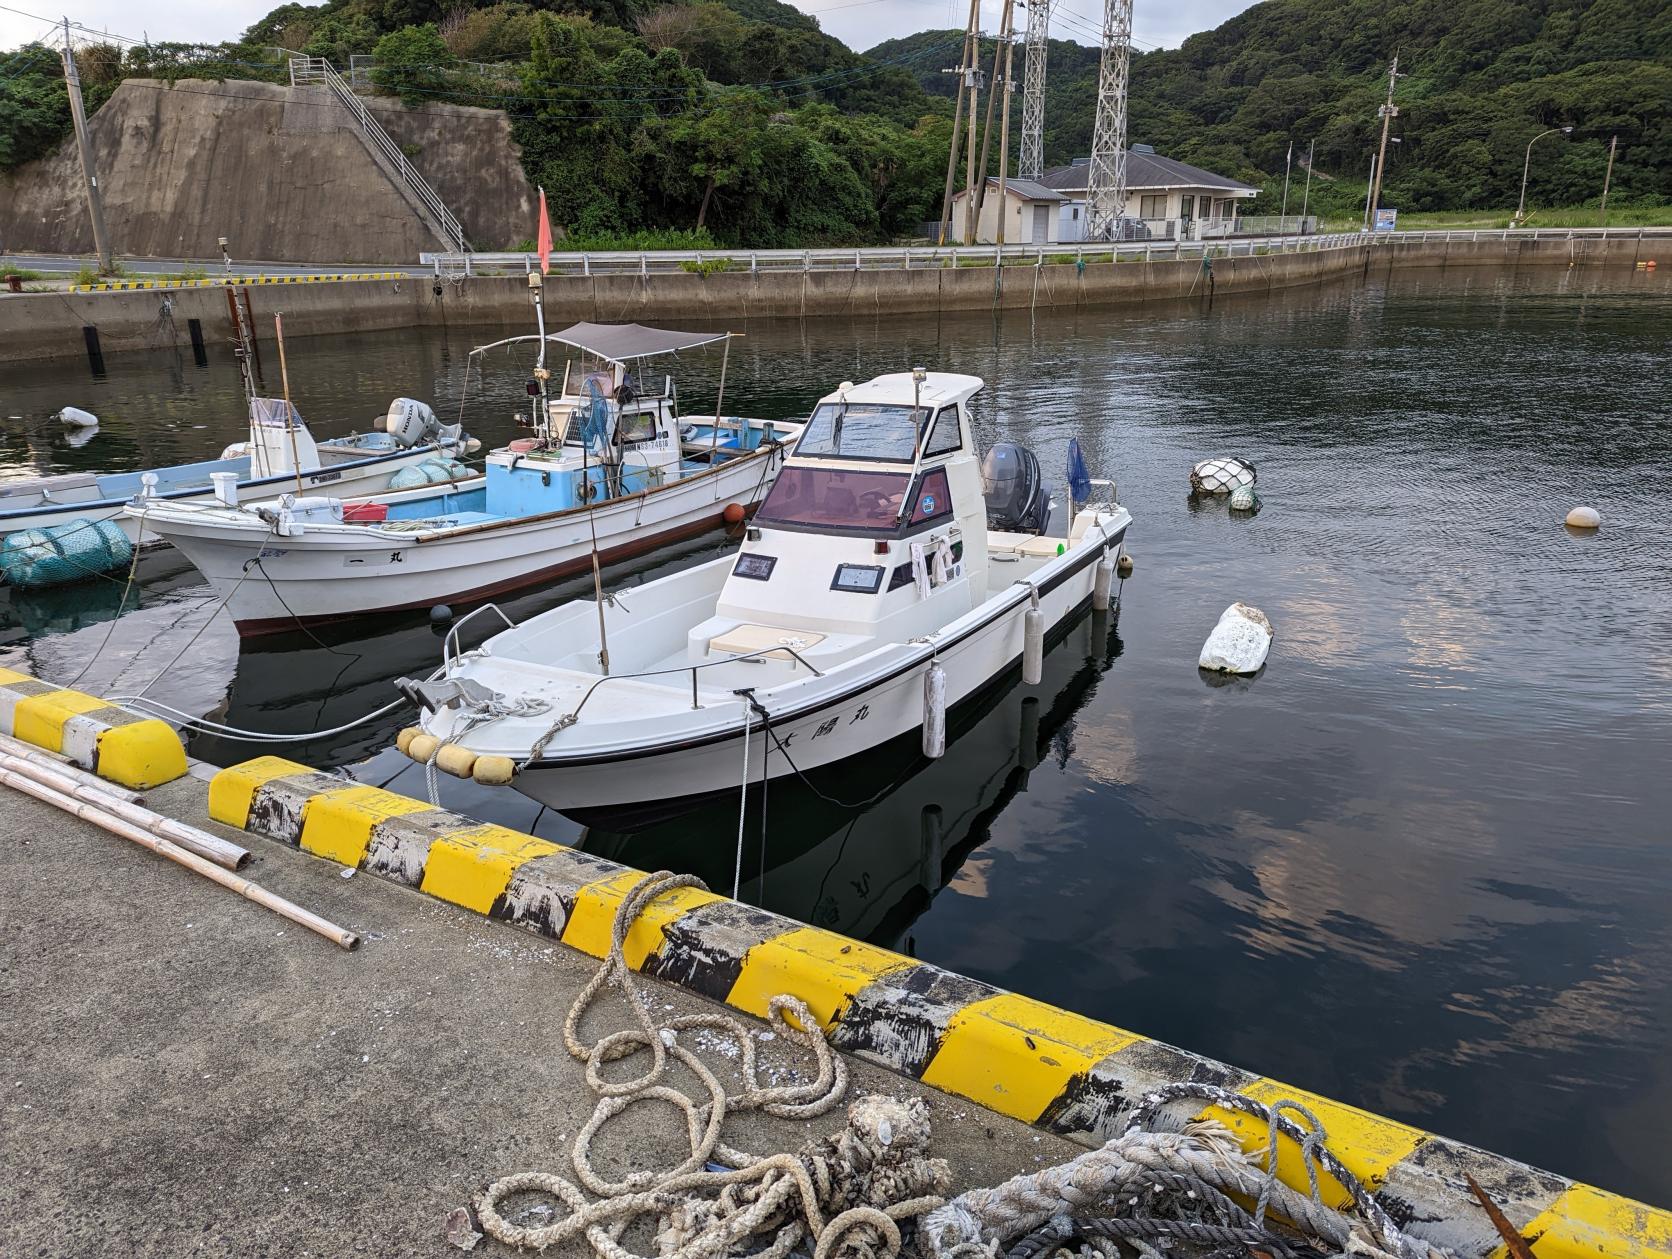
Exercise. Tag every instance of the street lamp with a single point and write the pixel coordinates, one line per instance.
(1521, 207)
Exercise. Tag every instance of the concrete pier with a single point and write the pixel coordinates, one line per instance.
(49, 325)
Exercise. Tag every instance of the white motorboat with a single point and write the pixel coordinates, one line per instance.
(889, 573)
(612, 471)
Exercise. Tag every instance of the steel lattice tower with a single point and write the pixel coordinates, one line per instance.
(1031, 163)
(1106, 180)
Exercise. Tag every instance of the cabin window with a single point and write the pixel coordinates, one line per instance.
(859, 579)
(943, 433)
(637, 426)
(823, 498)
(754, 565)
(855, 430)
(934, 497)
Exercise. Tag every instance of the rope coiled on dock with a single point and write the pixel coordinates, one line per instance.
(847, 1192)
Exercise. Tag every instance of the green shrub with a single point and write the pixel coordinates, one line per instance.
(706, 267)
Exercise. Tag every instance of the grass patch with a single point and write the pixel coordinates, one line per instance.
(1496, 220)
(22, 273)
(705, 268)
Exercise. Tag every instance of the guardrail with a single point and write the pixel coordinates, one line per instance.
(304, 70)
(894, 258)
(907, 258)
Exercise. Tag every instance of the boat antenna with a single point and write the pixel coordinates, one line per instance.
(719, 401)
(289, 411)
(542, 426)
(918, 376)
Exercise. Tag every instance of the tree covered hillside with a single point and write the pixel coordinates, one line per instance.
(740, 122)
(1482, 78)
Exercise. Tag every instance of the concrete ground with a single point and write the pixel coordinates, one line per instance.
(187, 1074)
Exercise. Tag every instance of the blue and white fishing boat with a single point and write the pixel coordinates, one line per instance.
(612, 470)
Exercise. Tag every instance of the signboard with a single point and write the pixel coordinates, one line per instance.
(1385, 220)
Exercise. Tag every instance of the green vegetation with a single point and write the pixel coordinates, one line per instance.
(743, 123)
(22, 273)
(706, 267)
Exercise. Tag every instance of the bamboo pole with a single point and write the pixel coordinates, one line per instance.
(288, 910)
(205, 845)
(289, 411)
(58, 765)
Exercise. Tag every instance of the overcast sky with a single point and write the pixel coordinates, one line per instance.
(858, 23)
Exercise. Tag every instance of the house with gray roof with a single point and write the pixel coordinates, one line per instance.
(1032, 213)
(1173, 199)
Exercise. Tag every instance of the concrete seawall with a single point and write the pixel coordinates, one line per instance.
(49, 325)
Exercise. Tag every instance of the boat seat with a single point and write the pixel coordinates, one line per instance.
(1032, 545)
(745, 638)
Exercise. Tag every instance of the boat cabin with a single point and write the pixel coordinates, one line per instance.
(875, 530)
(610, 429)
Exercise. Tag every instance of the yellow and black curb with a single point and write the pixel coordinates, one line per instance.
(105, 740)
(132, 286)
(1010, 1054)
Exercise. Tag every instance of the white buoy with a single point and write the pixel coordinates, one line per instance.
(1102, 578)
(1239, 643)
(1584, 518)
(934, 711)
(1033, 644)
(1221, 476)
(75, 417)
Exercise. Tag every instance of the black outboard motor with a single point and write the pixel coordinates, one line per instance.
(1018, 500)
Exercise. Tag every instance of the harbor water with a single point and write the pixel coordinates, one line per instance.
(1420, 864)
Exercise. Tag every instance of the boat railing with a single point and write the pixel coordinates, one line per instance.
(449, 645)
(692, 669)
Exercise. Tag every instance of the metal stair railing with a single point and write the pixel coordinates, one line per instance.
(306, 70)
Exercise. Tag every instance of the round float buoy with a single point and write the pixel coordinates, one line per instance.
(404, 739)
(421, 747)
(1123, 566)
(457, 761)
(734, 513)
(1243, 498)
(493, 771)
(441, 614)
(1584, 518)
(75, 417)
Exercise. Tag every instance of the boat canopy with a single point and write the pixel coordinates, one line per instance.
(621, 342)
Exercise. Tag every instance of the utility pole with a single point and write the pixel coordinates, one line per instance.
(1369, 192)
(1389, 112)
(1306, 196)
(973, 76)
(1008, 35)
(1602, 217)
(89, 172)
(987, 126)
(1288, 163)
(957, 120)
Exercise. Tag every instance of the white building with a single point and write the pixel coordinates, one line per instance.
(1032, 214)
(1173, 200)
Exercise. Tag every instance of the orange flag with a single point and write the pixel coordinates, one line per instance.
(545, 243)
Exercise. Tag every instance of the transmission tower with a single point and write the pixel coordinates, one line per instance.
(1032, 158)
(1106, 181)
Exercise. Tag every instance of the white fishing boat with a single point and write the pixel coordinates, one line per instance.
(889, 574)
(612, 470)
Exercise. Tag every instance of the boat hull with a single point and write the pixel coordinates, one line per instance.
(334, 572)
(845, 722)
(350, 479)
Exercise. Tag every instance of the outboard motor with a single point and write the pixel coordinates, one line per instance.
(410, 423)
(1018, 500)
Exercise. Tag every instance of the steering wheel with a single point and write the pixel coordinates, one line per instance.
(875, 503)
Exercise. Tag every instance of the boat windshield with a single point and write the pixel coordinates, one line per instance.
(862, 430)
(824, 498)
